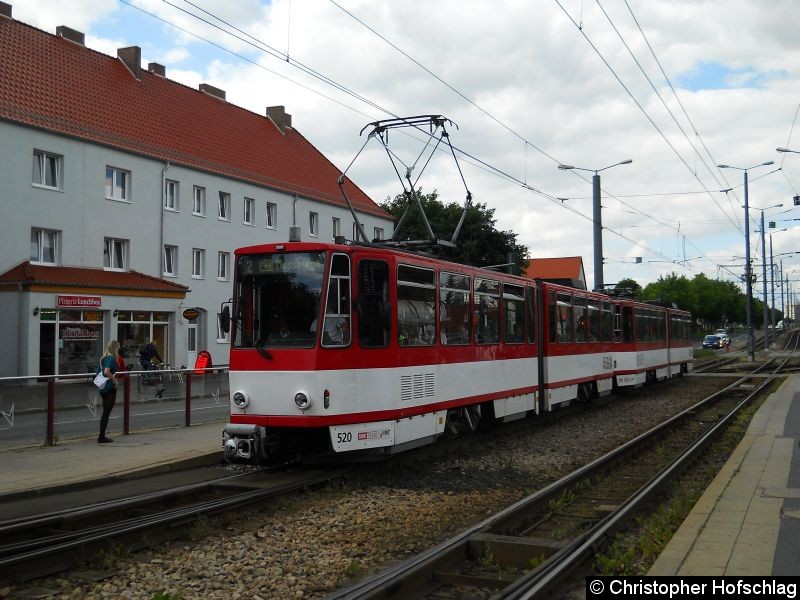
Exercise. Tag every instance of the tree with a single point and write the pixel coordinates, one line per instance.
(479, 242)
(628, 286)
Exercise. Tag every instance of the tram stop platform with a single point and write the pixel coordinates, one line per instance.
(748, 520)
(71, 465)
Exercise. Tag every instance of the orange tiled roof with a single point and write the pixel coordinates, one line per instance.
(569, 267)
(86, 277)
(51, 83)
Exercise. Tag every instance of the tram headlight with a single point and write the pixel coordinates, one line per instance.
(240, 399)
(302, 400)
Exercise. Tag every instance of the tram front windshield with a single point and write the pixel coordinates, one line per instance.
(277, 299)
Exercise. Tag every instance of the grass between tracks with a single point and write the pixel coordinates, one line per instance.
(634, 551)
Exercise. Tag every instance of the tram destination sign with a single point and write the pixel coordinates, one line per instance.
(79, 301)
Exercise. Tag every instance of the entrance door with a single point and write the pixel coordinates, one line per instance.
(47, 349)
(191, 343)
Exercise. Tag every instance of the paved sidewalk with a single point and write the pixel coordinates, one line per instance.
(743, 523)
(69, 465)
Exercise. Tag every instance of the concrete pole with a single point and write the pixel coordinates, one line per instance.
(772, 286)
(598, 233)
(748, 301)
(764, 283)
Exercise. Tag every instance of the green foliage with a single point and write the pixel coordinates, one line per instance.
(165, 596)
(479, 242)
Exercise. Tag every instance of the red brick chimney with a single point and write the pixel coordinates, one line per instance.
(212, 91)
(278, 115)
(70, 34)
(132, 58)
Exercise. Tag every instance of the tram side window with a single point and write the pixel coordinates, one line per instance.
(580, 316)
(595, 322)
(564, 329)
(627, 324)
(374, 321)
(606, 326)
(640, 325)
(530, 312)
(336, 326)
(454, 309)
(416, 306)
(487, 311)
(514, 313)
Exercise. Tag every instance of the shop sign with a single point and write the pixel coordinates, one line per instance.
(191, 313)
(79, 301)
(80, 333)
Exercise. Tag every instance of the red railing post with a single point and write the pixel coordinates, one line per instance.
(51, 411)
(188, 421)
(126, 418)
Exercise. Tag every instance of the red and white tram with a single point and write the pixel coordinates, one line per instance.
(343, 348)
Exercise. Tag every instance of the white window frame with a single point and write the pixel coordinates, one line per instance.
(377, 233)
(222, 335)
(171, 190)
(199, 201)
(272, 215)
(355, 231)
(223, 264)
(113, 248)
(170, 261)
(313, 224)
(115, 191)
(40, 234)
(198, 263)
(44, 159)
(249, 209)
(224, 207)
(336, 227)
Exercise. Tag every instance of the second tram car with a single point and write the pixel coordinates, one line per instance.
(344, 348)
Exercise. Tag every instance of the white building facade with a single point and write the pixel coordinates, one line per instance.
(114, 226)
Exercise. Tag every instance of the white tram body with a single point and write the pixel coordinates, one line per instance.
(341, 348)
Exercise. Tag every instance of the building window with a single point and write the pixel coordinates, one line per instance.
(249, 209)
(118, 184)
(171, 195)
(223, 259)
(115, 254)
(272, 215)
(313, 224)
(44, 246)
(224, 207)
(198, 263)
(222, 335)
(46, 169)
(355, 231)
(171, 261)
(199, 201)
(337, 227)
(377, 233)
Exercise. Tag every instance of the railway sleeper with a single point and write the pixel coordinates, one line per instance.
(512, 551)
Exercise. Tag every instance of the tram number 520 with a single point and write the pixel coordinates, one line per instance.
(344, 438)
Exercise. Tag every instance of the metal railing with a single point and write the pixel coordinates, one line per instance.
(43, 409)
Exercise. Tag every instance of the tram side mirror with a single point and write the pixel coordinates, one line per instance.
(225, 319)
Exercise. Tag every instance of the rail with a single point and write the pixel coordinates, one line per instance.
(44, 409)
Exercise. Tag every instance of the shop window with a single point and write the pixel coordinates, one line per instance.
(171, 261)
(272, 215)
(249, 209)
(115, 254)
(171, 195)
(118, 184)
(47, 168)
(224, 207)
(44, 246)
(136, 328)
(199, 201)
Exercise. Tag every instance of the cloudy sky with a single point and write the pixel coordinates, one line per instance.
(677, 86)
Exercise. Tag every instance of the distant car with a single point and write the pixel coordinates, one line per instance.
(721, 333)
(712, 341)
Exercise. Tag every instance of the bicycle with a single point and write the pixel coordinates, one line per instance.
(151, 379)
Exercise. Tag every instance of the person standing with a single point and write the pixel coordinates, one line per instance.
(109, 364)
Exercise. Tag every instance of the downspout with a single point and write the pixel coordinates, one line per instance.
(294, 211)
(162, 195)
(19, 329)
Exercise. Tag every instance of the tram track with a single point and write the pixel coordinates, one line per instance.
(49, 543)
(528, 549)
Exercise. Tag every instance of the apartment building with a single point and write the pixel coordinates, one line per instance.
(123, 196)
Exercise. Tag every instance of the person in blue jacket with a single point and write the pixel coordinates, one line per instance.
(109, 363)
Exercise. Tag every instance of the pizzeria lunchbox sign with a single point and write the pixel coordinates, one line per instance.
(78, 301)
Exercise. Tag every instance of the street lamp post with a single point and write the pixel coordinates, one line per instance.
(751, 346)
(764, 271)
(597, 221)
